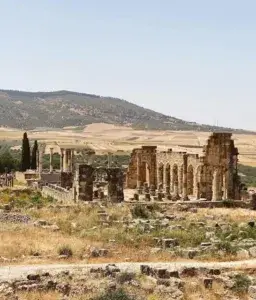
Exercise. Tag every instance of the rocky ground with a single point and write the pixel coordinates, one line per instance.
(135, 280)
(145, 251)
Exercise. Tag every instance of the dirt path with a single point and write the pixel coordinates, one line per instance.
(19, 272)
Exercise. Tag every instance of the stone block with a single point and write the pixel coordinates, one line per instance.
(252, 251)
(136, 197)
(208, 283)
(147, 197)
(252, 291)
(169, 243)
(189, 272)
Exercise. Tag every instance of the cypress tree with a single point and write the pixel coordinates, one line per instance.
(34, 156)
(25, 155)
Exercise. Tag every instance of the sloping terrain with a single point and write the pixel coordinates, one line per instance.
(28, 110)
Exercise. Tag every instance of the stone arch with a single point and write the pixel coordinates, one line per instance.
(190, 179)
(160, 179)
(180, 179)
(175, 180)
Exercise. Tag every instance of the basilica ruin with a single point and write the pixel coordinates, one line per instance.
(211, 175)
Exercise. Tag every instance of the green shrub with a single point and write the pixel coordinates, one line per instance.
(125, 277)
(119, 294)
(227, 247)
(242, 283)
(65, 250)
(140, 211)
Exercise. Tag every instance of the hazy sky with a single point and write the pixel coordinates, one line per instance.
(192, 59)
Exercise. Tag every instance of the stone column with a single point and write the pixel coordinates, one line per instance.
(40, 164)
(164, 176)
(225, 188)
(61, 160)
(51, 156)
(115, 185)
(69, 160)
(185, 178)
(139, 183)
(215, 186)
(37, 160)
(85, 182)
(65, 160)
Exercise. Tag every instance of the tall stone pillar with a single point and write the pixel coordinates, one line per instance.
(51, 157)
(37, 161)
(61, 159)
(71, 160)
(225, 186)
(185, 178)
(215, 186)
(85, 182)
(164, 176)
(68, 160)
(40, 160)
(139, 183)
(115, 185)
(64, 160)
(180, 180)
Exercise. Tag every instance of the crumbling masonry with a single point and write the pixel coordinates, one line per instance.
(211, 175)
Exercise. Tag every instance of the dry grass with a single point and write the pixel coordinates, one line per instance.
(195, 290)
(227, 214)
(39, 296)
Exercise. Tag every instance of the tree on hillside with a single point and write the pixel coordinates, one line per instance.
(34, 156)
(7, 162)
(25, 156)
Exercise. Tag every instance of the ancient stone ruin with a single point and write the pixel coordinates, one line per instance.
(211, 175)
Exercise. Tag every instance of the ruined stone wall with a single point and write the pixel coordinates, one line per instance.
(66, 179)
(115, 185)
(58, 193)
(131, 174)
(50, 178)
(142, 167)
(176, 171)
(220, 161)
(85, 182)
(213, 175)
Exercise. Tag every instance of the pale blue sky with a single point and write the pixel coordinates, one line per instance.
(192, 59)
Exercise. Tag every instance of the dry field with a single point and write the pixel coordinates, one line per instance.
(105, 138)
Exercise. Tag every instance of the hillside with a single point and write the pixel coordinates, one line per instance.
(58, 109)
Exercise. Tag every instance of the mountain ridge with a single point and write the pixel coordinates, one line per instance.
(57, 109)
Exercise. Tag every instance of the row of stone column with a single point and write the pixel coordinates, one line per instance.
(66, 160)
(204, 182)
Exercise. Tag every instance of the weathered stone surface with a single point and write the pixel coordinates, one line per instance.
(252, 291)
(115, 185)
(85, 182)
(242, 254)
(208, 283)
(252, 251)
